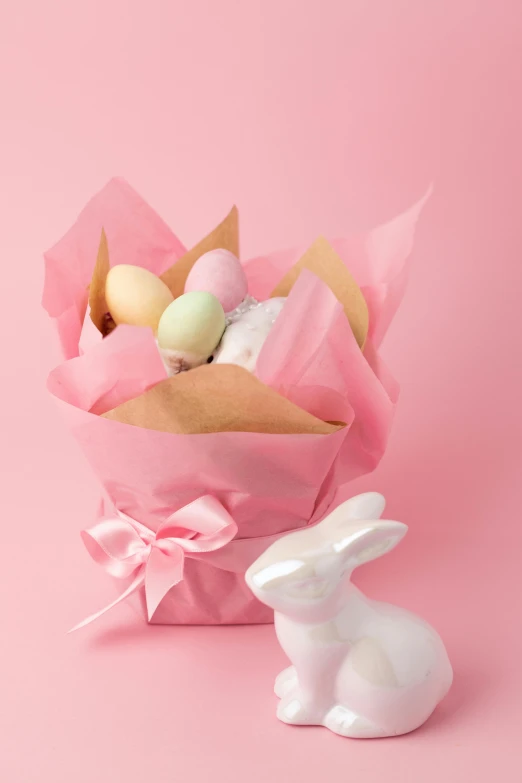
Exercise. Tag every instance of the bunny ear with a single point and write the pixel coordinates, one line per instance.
(369, 505)
(362, 541)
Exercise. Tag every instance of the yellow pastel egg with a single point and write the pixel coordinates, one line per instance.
(136, 296)
(193, 324)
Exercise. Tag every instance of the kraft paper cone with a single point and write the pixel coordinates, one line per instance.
(97, 302)
(217, 398)
(323, 261)
(225, 236)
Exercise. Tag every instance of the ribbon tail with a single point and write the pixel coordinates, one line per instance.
(163, 571)
(135, 584)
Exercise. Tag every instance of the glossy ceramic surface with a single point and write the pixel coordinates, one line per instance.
(361, 668)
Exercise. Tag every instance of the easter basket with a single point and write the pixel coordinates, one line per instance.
(202, 471)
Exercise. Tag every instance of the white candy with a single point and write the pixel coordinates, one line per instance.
(245, 336)
(248, 303)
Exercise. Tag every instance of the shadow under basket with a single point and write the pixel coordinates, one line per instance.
(206, 596)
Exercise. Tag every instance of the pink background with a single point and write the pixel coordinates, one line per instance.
(313, 117)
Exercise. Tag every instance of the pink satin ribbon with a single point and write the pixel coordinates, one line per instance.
(124, 547)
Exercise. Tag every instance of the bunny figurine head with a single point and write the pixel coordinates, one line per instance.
(361, 668)
(304, 574)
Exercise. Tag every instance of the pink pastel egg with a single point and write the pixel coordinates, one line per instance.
(219, 272)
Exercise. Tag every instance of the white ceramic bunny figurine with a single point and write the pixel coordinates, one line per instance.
(361, 668)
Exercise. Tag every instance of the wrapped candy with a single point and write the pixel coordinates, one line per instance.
(244, 337)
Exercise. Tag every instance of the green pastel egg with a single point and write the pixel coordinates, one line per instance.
(193, 323)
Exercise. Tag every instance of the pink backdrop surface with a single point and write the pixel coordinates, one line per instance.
(314, 117)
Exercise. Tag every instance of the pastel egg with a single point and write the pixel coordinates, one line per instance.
(136, 296)
(192, 323)
(220, 273)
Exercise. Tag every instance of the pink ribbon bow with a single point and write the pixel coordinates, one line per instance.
(123, 547)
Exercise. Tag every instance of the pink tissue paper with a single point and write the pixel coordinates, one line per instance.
(183, 516)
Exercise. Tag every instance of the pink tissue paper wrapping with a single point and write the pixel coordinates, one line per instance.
(268, 484)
